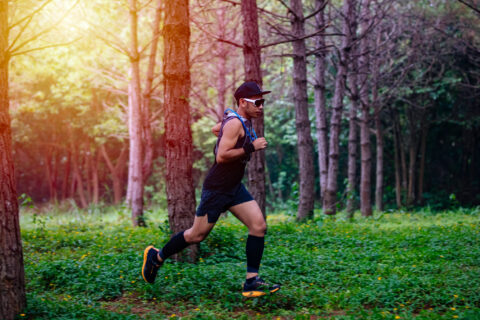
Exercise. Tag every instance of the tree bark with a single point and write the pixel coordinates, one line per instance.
(379, 161)
(77, 176)
(330, 200)
(88, 171)
(403, 161)
(147, 95)
(135, 165)
(366, 152)
(48, 173)
(352, 134)
(252, 60)
(95, 181)
(178, 136)
(378, 129)
(398, 167)
(320, 107)
(66, 176)
(412, 156)
(302, 122)
(421, 173)
(12, 278)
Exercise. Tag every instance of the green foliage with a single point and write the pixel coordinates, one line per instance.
(422, 265)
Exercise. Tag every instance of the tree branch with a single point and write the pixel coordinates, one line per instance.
(477, 10)
(314, 13)
(17, 53)
(235, 3)
(216, 37)
(294, 39)
(288, 8)
(36, 36)
(30, 15)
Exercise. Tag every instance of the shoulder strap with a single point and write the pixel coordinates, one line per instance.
(252, 138)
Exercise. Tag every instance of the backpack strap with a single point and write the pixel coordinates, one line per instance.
(252, 138)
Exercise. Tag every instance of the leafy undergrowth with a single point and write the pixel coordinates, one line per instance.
(394, 266)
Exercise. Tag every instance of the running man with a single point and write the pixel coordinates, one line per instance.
(223, 190)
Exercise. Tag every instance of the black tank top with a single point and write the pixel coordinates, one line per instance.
(226, 177)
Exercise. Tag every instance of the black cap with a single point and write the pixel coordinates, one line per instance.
(249, 89)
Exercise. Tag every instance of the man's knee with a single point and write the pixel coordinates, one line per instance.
(192, 237)
(258, 229)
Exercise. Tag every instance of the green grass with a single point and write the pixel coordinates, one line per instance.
(86, 265)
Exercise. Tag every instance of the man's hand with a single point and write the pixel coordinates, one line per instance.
(216, 129)
(260, 143)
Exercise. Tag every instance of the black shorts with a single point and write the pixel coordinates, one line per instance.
(213, 203)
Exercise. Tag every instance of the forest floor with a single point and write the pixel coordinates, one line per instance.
(418, 265)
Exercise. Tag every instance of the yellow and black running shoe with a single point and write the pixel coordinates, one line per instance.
(258, 288)
(150, 264)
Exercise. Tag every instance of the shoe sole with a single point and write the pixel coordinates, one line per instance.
(145, 254)
(255, 294)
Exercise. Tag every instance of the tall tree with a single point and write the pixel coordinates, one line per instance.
(365, 151)
(12, 279)
(253, 72)
(329, 203)
(178, 136)
(135, 165)
(320, 99)
(302, 122)
(147, 96)
(378, 125)
(352, 132)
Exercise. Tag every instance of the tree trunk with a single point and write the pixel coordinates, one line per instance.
(66, 176)
(379, 161)
(252, 60)
(116, 172)
(135, 165)
(329, 203)
(77, 176)
(88, 170)
(178, 136)
(403, 161)
(352, 134)
(56, 166)
(366, 156)
(320, 107)
(302, 122)
(378, 131)
(147, 94)
(48, 172)
(365, 150)
(12, 279)
(396, 147)
(95, 182)
(412, 157)
(421, 173)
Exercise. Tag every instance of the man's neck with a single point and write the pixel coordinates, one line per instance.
(242, 113)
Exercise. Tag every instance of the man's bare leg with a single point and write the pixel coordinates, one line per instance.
(197, 233)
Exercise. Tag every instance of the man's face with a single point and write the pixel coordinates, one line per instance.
(250, 108)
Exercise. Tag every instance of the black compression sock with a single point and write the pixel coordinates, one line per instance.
(254, 250)
(176, 244)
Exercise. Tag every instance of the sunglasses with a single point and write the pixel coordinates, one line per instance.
(257, 102)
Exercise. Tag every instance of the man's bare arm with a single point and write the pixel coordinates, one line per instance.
(231, 132)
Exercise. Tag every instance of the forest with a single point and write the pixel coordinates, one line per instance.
(373, 130)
